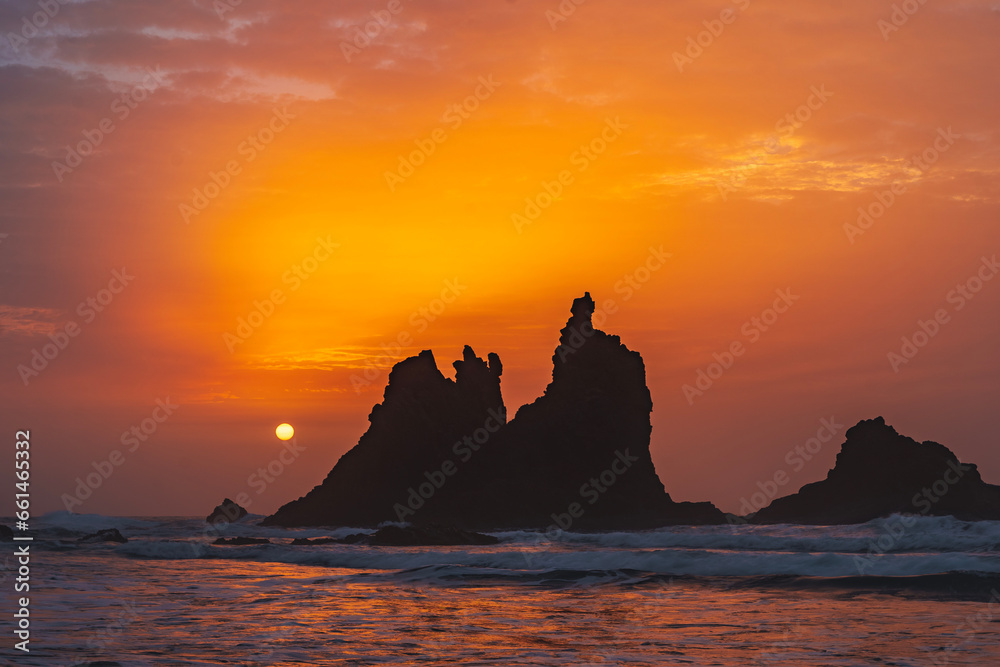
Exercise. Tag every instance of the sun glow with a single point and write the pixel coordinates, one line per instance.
(284, 431)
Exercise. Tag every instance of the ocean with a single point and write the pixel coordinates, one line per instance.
(896, 591)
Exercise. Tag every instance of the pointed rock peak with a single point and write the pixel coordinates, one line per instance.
(468, 361)
(413, 370)
(578, 331)
(583, 308)
(867, 428)
(494, 362)
(424, 362)
(470, 365)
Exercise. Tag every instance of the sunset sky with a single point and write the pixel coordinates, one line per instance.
(362, 190)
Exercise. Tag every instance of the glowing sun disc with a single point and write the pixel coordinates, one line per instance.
(284, 431)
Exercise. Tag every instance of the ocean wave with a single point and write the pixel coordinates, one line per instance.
(511, 559)
(895, 534)
(892, 547)
(71, 522)
(62, 523)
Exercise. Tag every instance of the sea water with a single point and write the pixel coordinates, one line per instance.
(896, 591)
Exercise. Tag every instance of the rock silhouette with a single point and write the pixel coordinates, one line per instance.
(577, 458)
(441, 451)
(106, 535)
(880, 472)
(413, 430)
(227, 512)
(6, 534)
(240, 541)
(305, 541)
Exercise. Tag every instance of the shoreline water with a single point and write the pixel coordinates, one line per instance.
(779, 595)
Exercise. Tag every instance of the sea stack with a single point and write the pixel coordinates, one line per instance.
(412, 434)
(577, 458)
(228, 512)
(880, 472)
(441, 451)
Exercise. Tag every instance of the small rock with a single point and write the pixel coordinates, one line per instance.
(305, 541)
(241, 541)
(227, 512)
(107, 535)
(6, 534)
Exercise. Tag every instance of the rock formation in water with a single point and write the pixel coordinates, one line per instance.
(106, 535)
(880, 472)
(227, 512)
(6, 534)
(315, 541)
(441, 451)
(412, 434)
(578, 456)
(240, 541)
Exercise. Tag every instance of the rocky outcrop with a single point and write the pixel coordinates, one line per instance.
(6, 534)
(880, 472)
(577, 458)
(107, 535)
(422, 415)
(240, 541)
(227, 512)
(441, 451)
(306, 542)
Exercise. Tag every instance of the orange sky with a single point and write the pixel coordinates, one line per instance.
(746, 163)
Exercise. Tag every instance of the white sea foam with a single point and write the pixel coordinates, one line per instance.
(896, 546)
(896, 534)
(509, 558)
(91, 523)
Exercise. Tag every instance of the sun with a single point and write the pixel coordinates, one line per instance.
(284, 431)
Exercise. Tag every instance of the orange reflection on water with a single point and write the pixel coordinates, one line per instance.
(272, 613)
